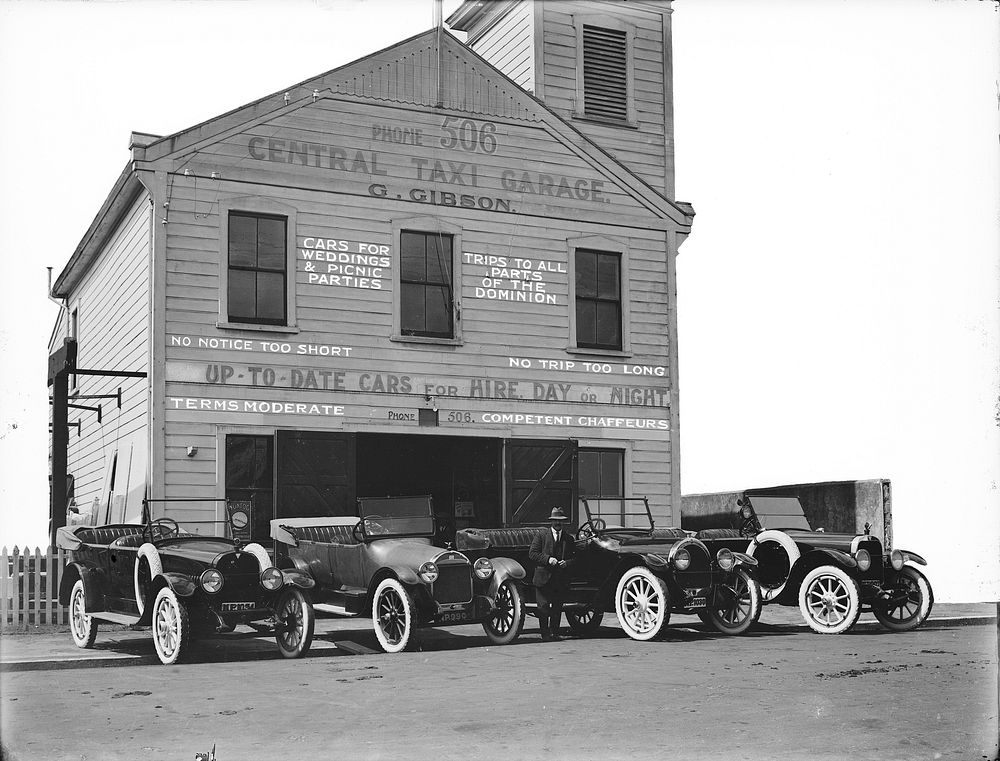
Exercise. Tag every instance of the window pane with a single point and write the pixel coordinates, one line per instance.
(612, 465)
(411, 308)
(586, 273)
(608, 324)
(242, 295)
(412, 257)
(271, 243)
(608, 277)
(439, 259)
(242, 241)
(270, 296)
(438, 310)
(586, 322)
(590, 474)
(240, 461)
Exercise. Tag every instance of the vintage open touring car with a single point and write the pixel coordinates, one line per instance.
(832, 577)
(382, 563)
(182, 585)
(637, 570)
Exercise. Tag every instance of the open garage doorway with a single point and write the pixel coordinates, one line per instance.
(462, 474)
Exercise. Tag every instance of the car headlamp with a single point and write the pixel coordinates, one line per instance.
(864, 560)
(682, 559)
(483, 568)
(428, 572)
(896, 559)
(211, 581)
(725, 559)
(271, 578)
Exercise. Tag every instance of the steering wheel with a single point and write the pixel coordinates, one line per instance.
(748, 527)
(163, 528)
(367, 527)
(591, 528)
(372, 527)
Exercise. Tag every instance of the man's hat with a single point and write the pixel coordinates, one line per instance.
(558, 515)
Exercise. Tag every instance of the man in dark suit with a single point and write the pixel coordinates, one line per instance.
(551, 551)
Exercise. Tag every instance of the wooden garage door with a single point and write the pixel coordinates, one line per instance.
(539, 475)
(316, 474)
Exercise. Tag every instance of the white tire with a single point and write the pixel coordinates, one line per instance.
(791, 549)
(829, 600)
(171, 627)
(740, 605)
(913, 605)
(82, 626)
(642, 603)
(147, 560)
(393, 616)
(263, 559)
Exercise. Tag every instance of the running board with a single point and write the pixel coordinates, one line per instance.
(336, 609)
(116, 618)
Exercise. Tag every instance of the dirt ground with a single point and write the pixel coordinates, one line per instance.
(774, 694)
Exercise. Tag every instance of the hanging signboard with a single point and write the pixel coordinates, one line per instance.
(240, 514)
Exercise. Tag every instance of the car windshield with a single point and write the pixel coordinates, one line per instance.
(620, 512)
(397, 516)
(780, 512)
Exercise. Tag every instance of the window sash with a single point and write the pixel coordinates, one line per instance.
(426, 298)
(257, 290)
(598, 300)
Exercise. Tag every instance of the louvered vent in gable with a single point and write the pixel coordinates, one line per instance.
(605, 73)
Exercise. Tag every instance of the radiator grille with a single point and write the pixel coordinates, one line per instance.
(876, 572)
(699, 573)
(454, 583)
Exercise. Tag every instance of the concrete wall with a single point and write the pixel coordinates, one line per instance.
(843, 506)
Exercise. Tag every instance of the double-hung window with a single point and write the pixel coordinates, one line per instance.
(426, 282)
(257, 283)
(598, 300)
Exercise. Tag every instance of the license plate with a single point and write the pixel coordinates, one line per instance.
(229, 607)
(455, 617)
(697, 602)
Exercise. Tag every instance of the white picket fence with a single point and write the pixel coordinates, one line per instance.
(29, 587)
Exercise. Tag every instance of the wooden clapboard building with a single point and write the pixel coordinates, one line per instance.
(442, 269)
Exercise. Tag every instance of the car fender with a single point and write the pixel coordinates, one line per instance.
(788, 545)
(405, 574)
(298, 578)
(912, 557)
(503, 569)
(825, 556)
(182, 585)
(94, 582)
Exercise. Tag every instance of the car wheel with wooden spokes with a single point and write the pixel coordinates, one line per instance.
(82, 626)
(829, 600)
(171, 627)
(908, 603)
(296, 623)
(642, 603)
(584, 621)
(735, 606)
(505, 621)
(393, 615)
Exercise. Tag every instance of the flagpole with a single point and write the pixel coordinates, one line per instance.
(439, 31)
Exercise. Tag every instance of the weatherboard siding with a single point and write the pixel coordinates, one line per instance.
(509, 44)
(498, 337)
(113, 303)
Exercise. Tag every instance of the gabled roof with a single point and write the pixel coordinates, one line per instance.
(406, 72)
